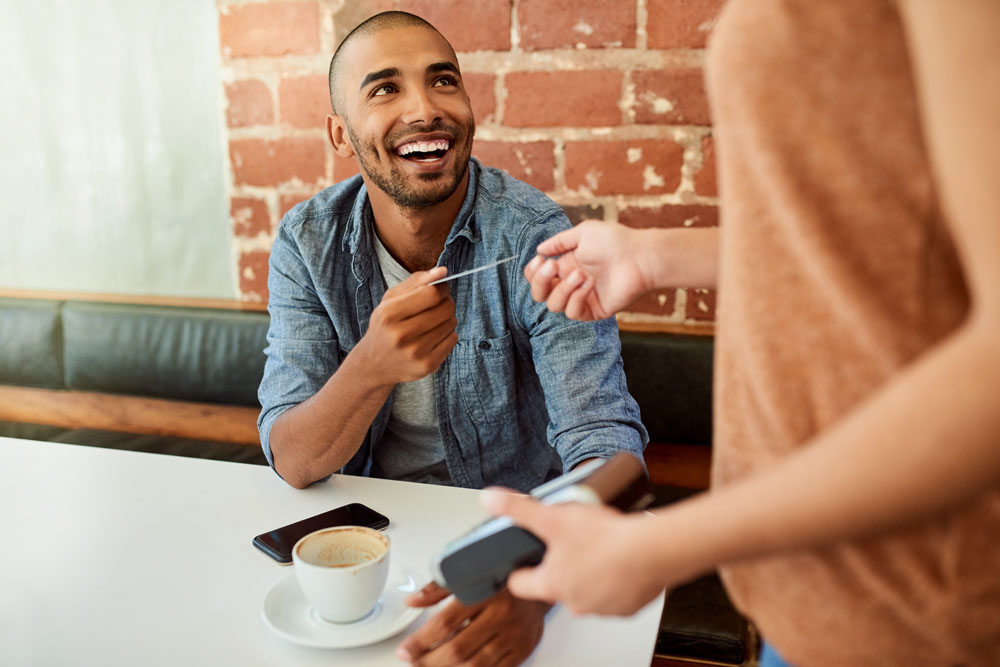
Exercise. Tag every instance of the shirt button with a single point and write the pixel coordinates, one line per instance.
(484, 345)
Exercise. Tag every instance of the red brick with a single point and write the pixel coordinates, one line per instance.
(480, 88)
(563, 99)
(344, 167)
(671, 96)
(700, 304)
(290, 199)
(580, 212)
(352, 13)
(469, 25)
(680, 24)
(305, 100)
(660, 302)
(253, 275)
(705, 182)
(669, 215)
(550, 24)
(532, 162)
(641, 167)
(268, 163)
(250, 216)
(249, 104)
(269, 29)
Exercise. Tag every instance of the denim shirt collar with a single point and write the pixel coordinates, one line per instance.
(465, 221)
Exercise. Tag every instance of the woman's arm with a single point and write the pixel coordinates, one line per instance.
(922, 446)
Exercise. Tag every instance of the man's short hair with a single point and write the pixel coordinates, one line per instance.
(376, 23)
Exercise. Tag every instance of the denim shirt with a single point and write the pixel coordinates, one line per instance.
(525, 395)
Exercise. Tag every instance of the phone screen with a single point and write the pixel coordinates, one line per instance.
(278, 543)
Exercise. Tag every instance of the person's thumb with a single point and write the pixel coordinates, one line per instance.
(417, 280)
(526, 583)
(427, 596)
(523, 510)
(560, 243)
(430, 275)
(530, 583)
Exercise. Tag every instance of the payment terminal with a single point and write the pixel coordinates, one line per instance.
(476, 566)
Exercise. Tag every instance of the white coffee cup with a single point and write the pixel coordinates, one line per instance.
(342, 571)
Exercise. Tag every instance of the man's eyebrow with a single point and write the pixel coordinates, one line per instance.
(443, 66)
(386, 73)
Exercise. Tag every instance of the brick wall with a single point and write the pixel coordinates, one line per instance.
(598, 103)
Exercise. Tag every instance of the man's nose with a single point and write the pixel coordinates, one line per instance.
(421, 107)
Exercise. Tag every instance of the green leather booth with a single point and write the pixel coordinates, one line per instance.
(191, 354)
(670, 377)
(194, 354)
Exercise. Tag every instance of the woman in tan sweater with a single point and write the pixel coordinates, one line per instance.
(855, 508)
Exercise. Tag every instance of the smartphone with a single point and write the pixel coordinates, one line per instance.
(278, 543)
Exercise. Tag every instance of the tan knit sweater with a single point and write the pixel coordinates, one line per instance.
(837, 271)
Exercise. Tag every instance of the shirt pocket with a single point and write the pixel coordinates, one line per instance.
(488, 379)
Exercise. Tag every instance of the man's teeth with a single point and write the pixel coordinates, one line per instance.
(423, 147)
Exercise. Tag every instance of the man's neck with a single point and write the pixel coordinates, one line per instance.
(416, 237)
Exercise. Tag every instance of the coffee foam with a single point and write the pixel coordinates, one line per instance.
(345, 547)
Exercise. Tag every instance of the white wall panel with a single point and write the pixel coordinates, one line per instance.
(111, 158)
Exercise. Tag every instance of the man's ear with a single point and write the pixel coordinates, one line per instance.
(336, 130)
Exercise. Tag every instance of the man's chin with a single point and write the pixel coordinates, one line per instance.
(440, 187)
(431, 176)
(415, 200)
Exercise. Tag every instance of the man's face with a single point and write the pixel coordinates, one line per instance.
(407, 114)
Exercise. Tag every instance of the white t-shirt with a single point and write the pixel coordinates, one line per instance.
(411, 448)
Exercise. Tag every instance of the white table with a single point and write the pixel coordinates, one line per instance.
(124, 558)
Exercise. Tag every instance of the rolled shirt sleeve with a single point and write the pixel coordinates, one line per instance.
(302, 349)
(579, 365)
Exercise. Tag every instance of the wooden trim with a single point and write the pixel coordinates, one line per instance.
(139, 299)
(689, 466)
(652, 326)
(154, 416)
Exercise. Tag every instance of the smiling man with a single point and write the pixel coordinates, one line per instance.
(373, 370)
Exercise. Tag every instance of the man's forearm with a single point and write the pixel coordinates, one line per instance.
(317, 437)
(924, 445)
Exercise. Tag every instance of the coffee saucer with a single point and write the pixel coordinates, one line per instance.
(286, 612)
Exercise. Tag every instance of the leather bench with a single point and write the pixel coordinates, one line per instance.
(182, 380)
(170, 380)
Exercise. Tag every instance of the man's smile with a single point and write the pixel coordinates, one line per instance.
(426, 148)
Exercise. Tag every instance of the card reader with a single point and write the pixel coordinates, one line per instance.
(476, 566)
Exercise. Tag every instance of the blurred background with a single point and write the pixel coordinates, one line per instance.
(151, 148)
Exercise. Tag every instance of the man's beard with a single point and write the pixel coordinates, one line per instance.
(394, 182)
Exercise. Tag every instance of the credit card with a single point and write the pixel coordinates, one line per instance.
(475, 270)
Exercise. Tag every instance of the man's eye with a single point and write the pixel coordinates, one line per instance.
(384, 89)
(446, 81)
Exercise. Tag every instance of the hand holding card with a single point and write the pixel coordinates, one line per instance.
(411, 331)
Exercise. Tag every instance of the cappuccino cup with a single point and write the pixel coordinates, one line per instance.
(342, 571)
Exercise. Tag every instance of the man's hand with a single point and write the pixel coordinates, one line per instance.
(596, 273)
(411, 331)
(595, 561)
(501, 632)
